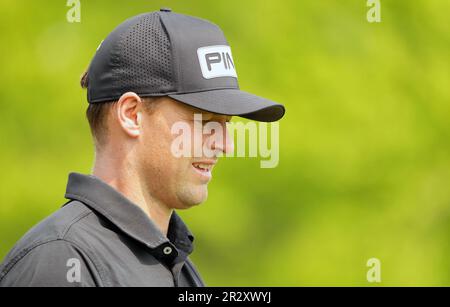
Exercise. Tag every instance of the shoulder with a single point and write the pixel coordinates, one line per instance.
(51, 264)
(45, 251)
(54, 227)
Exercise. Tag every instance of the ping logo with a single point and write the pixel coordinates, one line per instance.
(216, 61)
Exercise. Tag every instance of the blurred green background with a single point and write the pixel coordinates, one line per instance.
(364, 151)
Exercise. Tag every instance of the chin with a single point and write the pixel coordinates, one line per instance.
(193, 197)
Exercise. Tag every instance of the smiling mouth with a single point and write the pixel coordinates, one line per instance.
(204, 170)
(203, 167)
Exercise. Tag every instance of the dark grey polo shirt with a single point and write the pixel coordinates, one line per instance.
(100, 238)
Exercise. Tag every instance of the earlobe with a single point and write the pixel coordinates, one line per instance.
(134, 126)
(133, 129)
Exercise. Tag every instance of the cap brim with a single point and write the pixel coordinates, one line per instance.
(233, 102)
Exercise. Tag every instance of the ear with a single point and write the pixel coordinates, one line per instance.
(129, 114)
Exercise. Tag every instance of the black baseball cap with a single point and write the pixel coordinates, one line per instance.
(168, 54)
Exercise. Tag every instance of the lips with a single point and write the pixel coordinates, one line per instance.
(204, 169)
(203, 166)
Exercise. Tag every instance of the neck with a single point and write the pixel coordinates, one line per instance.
(120, 175)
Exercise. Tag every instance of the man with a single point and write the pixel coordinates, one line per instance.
(119, 226)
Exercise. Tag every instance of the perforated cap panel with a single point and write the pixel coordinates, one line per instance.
(146, 55)
(135, 57)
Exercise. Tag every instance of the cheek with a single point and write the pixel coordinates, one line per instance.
(156, 139)
(156, 154)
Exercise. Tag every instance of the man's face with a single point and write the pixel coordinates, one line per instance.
(179, 182)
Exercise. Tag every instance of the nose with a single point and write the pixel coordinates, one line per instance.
(229, 142)
(223, 144)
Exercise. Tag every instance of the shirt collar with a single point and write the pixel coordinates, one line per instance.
(128, 217)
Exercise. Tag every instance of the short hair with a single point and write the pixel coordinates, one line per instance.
(97, 113)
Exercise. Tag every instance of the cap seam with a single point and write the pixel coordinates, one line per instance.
(120, 46)
(175, 59)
